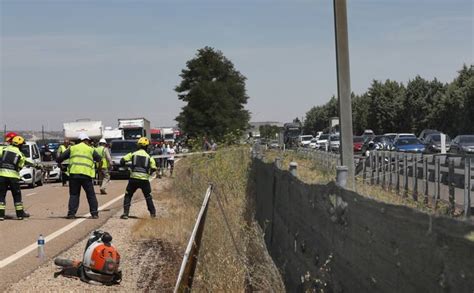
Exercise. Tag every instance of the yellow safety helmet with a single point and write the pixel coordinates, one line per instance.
(143, 141)
(18, 140)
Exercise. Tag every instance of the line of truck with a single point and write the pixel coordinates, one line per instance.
(128, 128)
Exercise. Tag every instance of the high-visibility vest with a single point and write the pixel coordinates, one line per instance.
(141, 164)
(62, 148)
(11, 162)
(81, 160)
(101, 151)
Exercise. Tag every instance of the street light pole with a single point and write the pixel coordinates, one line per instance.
(344, 88)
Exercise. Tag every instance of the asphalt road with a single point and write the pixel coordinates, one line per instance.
(48, 208)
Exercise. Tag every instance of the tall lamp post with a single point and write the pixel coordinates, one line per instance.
(344, 88)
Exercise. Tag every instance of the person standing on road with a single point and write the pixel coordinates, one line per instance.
(171, 152)
(82, 158)
(142, 166)
(12, 160)
(64, 166)
(104, 166)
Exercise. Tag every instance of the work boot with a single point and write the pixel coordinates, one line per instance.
(102, 191)
(95, 217)
(124, 217)
(26, 215)
(70, 217)
(153, 215)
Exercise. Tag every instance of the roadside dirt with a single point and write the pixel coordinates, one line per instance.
(149, 265)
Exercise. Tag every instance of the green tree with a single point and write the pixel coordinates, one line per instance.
(215, 95)
(268, 131)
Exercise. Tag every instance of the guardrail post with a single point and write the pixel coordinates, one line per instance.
(405, 175)
(415, 176)
(451, 185)
(278, 163)
(364, 169)
(397, 167)
(383, 169)
(377, 168)
(294, 168)
(425, 180)
(372, 169)
(390, 171)
(467, 187)
(437, 182)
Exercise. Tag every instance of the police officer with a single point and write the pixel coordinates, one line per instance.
(62, 148)
(104, 166)
(82, 158)
(142, 166)
(12, 160)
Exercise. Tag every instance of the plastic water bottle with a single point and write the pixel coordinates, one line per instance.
(41, 254)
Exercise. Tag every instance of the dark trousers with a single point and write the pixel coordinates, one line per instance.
(133, 185)
(75, 185)
(14, 185)
(64, 176)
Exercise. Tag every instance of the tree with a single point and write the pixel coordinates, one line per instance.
(215, 95)
(268, 131)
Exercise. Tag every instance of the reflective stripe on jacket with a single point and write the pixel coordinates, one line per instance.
(81, 160)
(11, 162)
(142, 163)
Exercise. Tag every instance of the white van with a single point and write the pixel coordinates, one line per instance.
(304, 140)
(32, 175)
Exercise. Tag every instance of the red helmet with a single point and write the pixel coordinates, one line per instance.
(9, 136)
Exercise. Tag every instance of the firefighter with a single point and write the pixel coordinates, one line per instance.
(105, 165)
(142, 165)
(81, 169)
(12, 160)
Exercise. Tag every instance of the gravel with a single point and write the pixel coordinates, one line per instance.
(140, 259)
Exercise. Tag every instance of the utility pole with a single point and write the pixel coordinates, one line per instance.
(42, 132)
(344, 88)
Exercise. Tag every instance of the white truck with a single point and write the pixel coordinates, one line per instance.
(112, 133)
(134, 128)
(93, 129)
(168, 135)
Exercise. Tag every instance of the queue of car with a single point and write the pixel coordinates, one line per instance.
(429, 141)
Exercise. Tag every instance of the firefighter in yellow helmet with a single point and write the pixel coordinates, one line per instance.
(82, 158)
(11, 162)
(142, 165)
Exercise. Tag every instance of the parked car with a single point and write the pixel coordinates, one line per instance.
(409, 144)
(433, 143)
(32, 175)
(322, 142)
(462, 144)
(381, 142)
(273, 144)
(305, 140)
(391, 136)
(118, 149)
(404, 135)
(313, 143)
(358, 142)
(368, 134)
(425, 133)
(334, 142)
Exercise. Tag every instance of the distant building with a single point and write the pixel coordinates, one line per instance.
(254, 129)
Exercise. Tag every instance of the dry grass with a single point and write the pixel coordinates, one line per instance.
(222, 267)
(310, 171)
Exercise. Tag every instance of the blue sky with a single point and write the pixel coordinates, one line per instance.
(65, 60)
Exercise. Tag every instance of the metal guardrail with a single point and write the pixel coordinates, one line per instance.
(188, 266)
(439, 177)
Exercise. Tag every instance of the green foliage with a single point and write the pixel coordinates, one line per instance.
(268, 131)
(215, 95)
(391, 107)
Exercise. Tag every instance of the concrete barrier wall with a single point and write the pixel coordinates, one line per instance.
(321, 236)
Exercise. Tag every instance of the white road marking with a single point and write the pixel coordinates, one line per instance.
(33, 193)
(30, 248)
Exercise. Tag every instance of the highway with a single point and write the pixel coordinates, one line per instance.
(48, 207)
